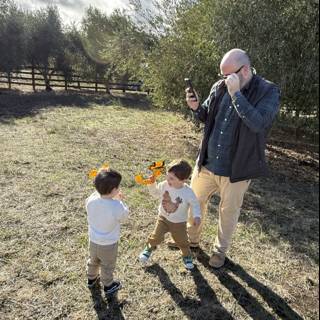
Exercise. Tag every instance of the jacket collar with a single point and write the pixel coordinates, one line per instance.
(249, 84)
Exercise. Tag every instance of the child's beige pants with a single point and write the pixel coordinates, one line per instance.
(204, 185)
(178, 232)
(104, 258)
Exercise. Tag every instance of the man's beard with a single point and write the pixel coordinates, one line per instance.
(242, 81)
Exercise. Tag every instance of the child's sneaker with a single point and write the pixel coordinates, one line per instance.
(145, 255)
(92, 282)
(188, 263)
(113, 288)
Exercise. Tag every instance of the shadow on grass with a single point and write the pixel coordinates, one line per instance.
(16, 104)
(207, 308)
(249, 303)
(286, 208)
(106, 310)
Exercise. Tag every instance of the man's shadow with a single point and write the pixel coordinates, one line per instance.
(106, 309)
(208, 307)
(249, 303)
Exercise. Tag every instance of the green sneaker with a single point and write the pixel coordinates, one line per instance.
(145, 255)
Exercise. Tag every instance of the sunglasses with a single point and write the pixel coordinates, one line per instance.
(225, 76)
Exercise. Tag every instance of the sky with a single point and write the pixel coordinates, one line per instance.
(73, 10)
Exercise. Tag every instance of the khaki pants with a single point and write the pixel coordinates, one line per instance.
(104, 258)
(204, 185)
(178, 232)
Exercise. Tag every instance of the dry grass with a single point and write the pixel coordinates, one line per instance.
(49, 143)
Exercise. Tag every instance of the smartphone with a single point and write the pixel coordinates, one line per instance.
(190, 87)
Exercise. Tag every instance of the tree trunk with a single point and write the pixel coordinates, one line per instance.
(33, 79)
(45, 72)
(9, 80)
(46, 80)
(107, 87)
(96, 80)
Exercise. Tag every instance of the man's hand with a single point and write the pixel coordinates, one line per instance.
(233, 84)
(196, 221)
(191, 101)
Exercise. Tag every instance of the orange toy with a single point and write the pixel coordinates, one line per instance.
(157, 169)
(93, 173)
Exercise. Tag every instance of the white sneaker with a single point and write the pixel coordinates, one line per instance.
(187, 261)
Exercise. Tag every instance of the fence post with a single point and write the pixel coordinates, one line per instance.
(33, 79)
(96, 82)
(107, 87)
(65, 83)
(9, 80)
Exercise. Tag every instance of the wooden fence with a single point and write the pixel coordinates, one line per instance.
(32, 77)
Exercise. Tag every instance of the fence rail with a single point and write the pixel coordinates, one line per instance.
(57, 79)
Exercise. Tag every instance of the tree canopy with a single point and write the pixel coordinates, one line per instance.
(170, 40)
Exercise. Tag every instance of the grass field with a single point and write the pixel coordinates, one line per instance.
(49, 142)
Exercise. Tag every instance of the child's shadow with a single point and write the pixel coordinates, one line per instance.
(205, 308)
(110, 309)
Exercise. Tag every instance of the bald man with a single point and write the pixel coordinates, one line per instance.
(237, 115)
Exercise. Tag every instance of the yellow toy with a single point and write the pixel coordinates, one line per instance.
(157, 169)
(93, 173)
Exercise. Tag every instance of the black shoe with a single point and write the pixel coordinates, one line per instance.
(113, 288)
(92, 282)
